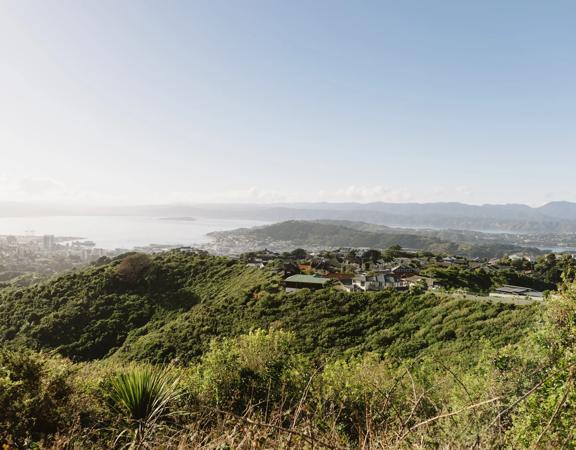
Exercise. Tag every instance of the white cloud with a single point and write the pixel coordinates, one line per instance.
(29, 188)
(39, 189)
(450, 193)
(14, 188)
(39, 186)
(248, 195)
(365, 194)
(351, 193)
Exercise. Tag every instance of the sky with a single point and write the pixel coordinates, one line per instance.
(149, 101)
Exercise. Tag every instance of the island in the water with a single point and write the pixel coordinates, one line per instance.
(179, 219)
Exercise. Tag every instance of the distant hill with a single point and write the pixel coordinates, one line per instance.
(554, 217)
(327, 234)
(332, 234)
(559, 210)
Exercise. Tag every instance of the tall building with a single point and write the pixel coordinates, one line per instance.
(49, 242)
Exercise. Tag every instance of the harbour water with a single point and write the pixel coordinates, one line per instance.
(112, 232)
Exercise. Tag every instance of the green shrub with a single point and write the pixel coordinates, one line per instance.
(144, 397)
(259, 367)
(36, 396)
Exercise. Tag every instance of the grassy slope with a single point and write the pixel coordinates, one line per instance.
(329, 323)
(89, 313)
(183, 301)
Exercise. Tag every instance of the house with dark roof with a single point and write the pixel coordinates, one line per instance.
(403, 270)
(312, 282)
(509, 291)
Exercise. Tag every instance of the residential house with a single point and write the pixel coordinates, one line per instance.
(509, 291)
(377, 281)
(312, 282)
(418, 280)
(403, 270)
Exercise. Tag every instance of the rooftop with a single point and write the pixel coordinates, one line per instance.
(309, 279)
(518, 290)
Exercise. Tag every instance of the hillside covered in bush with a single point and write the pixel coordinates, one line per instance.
(186, 350)
(173, 304)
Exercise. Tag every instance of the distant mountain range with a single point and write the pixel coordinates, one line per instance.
(554, 217)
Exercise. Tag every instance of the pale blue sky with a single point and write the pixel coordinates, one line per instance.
(116, 101)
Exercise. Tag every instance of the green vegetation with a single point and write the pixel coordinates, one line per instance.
(543, 275)
(328, 234)
(174, 304)
(90, 313)
(192, 351)
(144, 397)
(482, 281)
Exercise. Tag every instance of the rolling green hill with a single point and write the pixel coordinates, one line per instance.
(89, 313)
(173, 304)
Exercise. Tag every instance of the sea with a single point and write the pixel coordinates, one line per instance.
(124, 232)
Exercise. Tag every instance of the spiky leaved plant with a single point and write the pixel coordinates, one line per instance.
(145, 397)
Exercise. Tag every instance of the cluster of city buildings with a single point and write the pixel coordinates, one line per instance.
(30, 258)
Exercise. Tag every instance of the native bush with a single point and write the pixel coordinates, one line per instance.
(256, 368)
(144, 397)
(36, 396)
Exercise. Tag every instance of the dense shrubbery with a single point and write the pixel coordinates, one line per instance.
(256, 389)
(89, 314)
(482, 281)
(247, 365)
(37, 397)
(173, 305)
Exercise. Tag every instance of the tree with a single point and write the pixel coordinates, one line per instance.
(393, 252)
(299, 253)
(132, 267)
(372, 255)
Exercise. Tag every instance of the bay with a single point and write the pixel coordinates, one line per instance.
(112, 232)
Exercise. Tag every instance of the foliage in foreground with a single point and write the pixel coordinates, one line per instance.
(143, 396)
(253, 367)
(257, 391)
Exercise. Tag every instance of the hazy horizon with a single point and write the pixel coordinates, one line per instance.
(142, 102)
(256, 203)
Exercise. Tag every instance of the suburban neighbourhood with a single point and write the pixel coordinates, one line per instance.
(369, 270)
